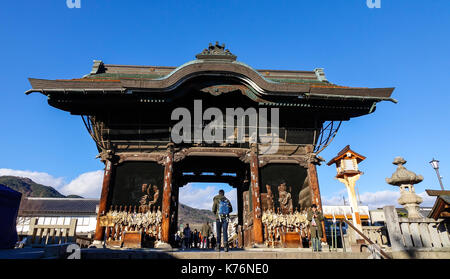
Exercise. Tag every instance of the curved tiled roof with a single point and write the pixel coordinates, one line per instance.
(218, 65)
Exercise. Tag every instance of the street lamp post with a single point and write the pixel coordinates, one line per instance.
(435, 164)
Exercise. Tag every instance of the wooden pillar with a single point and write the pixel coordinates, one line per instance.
(167, 196)
(315, 192)
(99, 230)
(256, 197)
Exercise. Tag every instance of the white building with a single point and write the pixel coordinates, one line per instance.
(344, 212)
(58, 211)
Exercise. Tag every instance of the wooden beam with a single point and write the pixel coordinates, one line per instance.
(167, 196)
(99, 230)
(256, 199)
(315, 193)
(393, 228)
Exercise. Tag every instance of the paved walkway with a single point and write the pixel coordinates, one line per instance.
(59, 251)
(232, 254)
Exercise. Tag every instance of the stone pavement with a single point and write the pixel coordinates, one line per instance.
(59, 251)
(233, 254)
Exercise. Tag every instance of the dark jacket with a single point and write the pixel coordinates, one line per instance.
(187, 232)
(215, 207)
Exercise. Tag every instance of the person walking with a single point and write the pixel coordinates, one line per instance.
(187, 236)
(315, 218)
(222, 209)
(206, 232)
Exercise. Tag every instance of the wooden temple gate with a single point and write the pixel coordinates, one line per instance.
(246, 181)
(129, 112)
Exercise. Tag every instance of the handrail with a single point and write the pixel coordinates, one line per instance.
(368, 240)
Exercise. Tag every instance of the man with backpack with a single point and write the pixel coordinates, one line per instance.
(222, 209)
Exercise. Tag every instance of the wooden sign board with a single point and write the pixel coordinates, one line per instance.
(132, 240)
(292, 240)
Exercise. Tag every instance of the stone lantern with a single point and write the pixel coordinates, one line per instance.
(348, 173)
(406, 179)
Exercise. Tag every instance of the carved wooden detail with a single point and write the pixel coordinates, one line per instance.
(152, 157)
(283, 159)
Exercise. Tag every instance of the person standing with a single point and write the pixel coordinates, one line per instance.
(195, 238)
(177, 239)
(187, 236)
(315, 218)
(206, 232)
(222, 209)
(213, 242)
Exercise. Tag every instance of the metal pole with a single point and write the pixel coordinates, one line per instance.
(342, 236)
(335, 236)
(439, 178)
(332, 237)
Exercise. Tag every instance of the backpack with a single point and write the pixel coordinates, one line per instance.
(224, 208)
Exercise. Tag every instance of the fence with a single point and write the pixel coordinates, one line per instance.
(377, 234)
(51, 234)
(406, 233)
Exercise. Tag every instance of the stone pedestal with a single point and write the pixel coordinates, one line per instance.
(410, 201)
(162, 245)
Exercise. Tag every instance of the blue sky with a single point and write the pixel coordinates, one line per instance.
(404, 44)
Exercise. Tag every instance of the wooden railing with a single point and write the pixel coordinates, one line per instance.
(377, 234)
(39, 234)
(83, 241)
(373, 245)
(406, 233)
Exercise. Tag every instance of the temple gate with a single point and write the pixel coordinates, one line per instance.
(128, 111)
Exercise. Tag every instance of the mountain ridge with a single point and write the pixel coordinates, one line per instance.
(29, 188)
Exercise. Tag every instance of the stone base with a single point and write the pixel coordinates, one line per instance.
(413, 211)
(256, 245)
(162, 245)
(97, 244)
(355, 247)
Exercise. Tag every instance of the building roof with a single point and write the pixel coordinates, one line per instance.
(437, 192)
(214, 67)
(441, 208)
(36, 206)
(121, 77)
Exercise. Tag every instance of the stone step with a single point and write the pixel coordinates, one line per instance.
(270, 255)
(25, 254)
(195, 254)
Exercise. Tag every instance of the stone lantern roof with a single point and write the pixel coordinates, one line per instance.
(402, 175)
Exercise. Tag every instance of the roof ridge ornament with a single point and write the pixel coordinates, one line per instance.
(320, 74)
(217, 52)
(97, 68)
